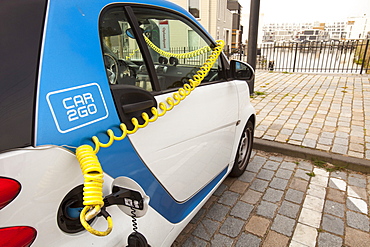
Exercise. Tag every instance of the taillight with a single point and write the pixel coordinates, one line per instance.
(9, 190)
(17, 236)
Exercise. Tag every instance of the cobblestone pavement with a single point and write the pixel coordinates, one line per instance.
(328, 112)
(284, 201)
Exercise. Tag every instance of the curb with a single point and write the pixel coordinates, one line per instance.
(352, 163)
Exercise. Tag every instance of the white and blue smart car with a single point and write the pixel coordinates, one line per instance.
(141, 94)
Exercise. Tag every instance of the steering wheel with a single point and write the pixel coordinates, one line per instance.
(111, 68)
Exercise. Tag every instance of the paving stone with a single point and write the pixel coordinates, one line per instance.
(333, 224)
(228, 198)
(269, 137)
(298, 184)
(305, 235)
(220, 190)
(358, 221)
(327, 135)
(338, 184)
(247, 239)
(317, 191)
(300, 173)
(210, 202)
(357, 205)
(310, 217)
(266, 209)
(325, 141)
(329, 240)
(189, 228)
(283, 225)
(256, 164)
(357, 181)
(289, 209)
(339, 149)
(229, 181)
(206, 228)
(276, 158)
(241, 210)
(273, 195)
(275, 239)
(221, 241)
(288, 165)
(198, 216)
(356, 154)
(265, 174)
(271, 165)
(339, 174)
(341, 141)
(193, 241)
(294, 196)
(298, 137)
(320, 181)
(305, 165)
(335, 195)
(334, 208)
(321, 172)
(283, 173)
(357, 192)
(218, 212)
(251, 196)
(356, 238)
(239, 186)
(231, 227)
(296, 244)
(314, 203)
(247, 177)
(257, 225)
(357, 175)
(279, 183)
(311, 143)
(259, 185)
(323, 147)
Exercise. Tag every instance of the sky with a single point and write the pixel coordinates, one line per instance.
(282, 11)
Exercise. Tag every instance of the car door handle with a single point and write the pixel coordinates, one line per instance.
(131, 102)
(139, 106)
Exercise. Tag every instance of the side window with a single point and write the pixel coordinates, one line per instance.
(123, 60)
(177, 47)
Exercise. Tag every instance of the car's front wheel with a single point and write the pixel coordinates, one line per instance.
(244, 150)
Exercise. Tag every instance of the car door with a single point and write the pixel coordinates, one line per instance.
(191, 144)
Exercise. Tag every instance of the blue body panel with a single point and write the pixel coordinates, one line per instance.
(75, 101)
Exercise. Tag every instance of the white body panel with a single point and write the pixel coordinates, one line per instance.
(246, 111)
(186, 155)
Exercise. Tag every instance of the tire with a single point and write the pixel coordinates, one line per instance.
(244, 150)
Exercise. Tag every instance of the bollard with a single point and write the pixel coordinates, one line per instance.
(271, 65)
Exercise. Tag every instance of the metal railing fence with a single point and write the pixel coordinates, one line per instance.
(350, 56)
(197, 60)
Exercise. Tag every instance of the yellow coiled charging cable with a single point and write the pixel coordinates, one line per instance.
(87, 156)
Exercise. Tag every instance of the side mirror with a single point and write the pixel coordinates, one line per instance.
(241, 71)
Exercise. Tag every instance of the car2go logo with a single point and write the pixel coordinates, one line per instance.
(76, 107)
